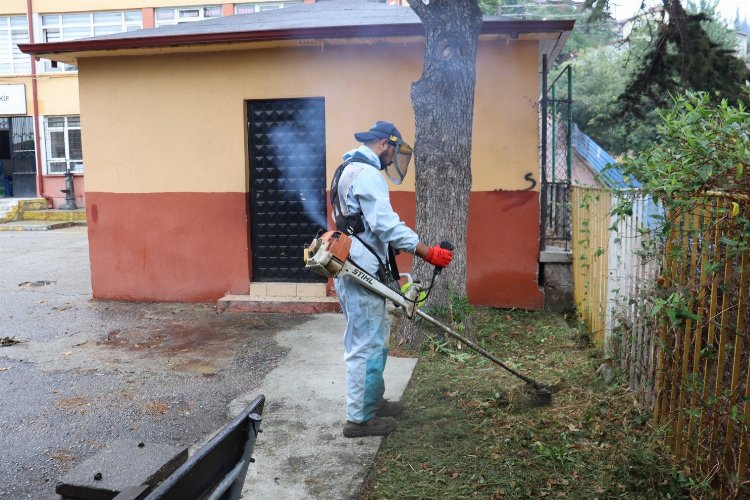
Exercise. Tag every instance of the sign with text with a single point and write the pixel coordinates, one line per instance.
(13, 99)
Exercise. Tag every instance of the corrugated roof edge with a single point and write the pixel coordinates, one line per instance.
(512, 27)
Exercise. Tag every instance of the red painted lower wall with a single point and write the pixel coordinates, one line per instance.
(194, 246)
(503, 242)
(182, 247)
(503, 246)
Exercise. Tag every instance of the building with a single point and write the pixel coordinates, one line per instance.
(742, 30)
(40, 131)
(209, 146)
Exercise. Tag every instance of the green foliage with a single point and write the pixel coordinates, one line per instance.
(457, 311)
(619, 88)
(717, 30)
(600, 75)
(684, 57)
(704, 147)
(488, 7)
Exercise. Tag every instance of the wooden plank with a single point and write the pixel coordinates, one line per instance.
(690, 259)
(709, 363)
(594, 261)
(649, 272)
(743, 458)
(580, 242)
(680, 264)
(642, 345)
(584, 235)
(605, 204)
(736, 366)
(595, 265)
(721, 357)
(661, 387)
(703, 221)
(614, 281)
(634, 287)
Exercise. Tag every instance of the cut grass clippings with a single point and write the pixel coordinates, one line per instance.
(469, 430)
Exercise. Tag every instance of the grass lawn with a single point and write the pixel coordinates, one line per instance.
(469, 430)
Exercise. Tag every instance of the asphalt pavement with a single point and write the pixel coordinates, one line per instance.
(86, 372)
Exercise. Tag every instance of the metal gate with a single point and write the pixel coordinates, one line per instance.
(557, 124)
(23, 156)
(287, 184)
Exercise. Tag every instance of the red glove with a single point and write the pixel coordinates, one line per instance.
(439, 257)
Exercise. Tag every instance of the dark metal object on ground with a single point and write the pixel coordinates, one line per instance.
(118, 466)
(127, 470)
(219, 468)
(70, 195)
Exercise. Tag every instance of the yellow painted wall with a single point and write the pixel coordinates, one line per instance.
(176, 123)
(12, 7)
(505, 145)
(58, 95)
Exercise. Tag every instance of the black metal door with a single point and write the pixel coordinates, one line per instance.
(23, 156)
(287, 184)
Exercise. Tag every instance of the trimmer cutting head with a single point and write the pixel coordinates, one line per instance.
(538, 394)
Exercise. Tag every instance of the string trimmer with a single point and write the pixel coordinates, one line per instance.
(328, 255)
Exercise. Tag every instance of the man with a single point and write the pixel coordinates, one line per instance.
(365, 205)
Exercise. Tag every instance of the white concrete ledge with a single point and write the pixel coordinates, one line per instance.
(559, 257)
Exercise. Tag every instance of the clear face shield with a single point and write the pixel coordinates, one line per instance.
(398, 169)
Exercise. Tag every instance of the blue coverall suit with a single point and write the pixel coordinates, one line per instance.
(367, 329)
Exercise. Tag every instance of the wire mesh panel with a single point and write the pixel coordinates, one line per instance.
(556, 223)
(556, 135)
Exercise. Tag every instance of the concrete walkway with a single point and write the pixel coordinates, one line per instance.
(302, 452)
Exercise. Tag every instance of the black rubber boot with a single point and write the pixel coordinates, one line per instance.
(390, 408)
(376, 426)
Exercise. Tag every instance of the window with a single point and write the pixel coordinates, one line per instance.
(63, 140)
(65, 27)
(13, 30)
(249, 8)
(170, 16)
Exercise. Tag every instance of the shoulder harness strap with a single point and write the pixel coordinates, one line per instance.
(353, 224)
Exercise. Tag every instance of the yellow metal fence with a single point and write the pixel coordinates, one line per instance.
(590, 221)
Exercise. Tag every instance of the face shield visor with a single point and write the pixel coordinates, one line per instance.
(399, 167)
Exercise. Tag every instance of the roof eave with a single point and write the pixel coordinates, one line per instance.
(513, 28)
(561, 41)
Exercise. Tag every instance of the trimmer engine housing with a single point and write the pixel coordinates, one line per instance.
(327, 254)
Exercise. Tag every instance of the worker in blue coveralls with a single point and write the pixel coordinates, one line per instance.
(364, 204)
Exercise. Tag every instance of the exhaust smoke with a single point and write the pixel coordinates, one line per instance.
(300, 152)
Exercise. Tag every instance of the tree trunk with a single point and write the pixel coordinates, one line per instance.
(443, 101)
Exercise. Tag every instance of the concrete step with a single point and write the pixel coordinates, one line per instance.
(55, 215)
(555, 255)
(11, 208)
(37, 225)
(8, 209)
(303, 298)
(289, 305)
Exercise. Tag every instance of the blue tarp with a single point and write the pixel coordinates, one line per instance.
(599, 159)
